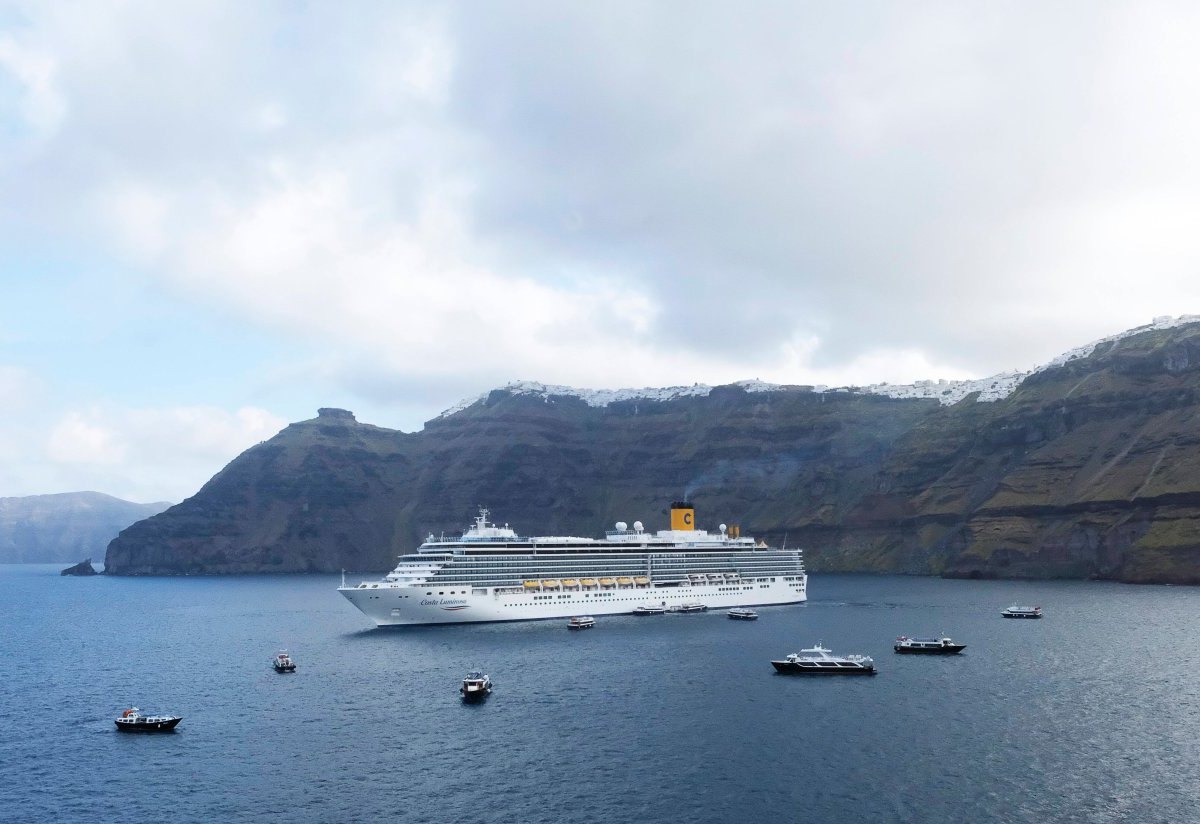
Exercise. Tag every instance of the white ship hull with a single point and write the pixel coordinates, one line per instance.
(389, 605)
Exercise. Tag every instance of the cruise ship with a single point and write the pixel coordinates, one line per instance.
(490, 573)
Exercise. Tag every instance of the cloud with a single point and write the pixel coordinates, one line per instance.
(418, 202)
(499, 178)
(146, 453)
(37, 101)
(75, 440)
(18, 388)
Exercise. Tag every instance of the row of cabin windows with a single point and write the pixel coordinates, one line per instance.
(586, 572)
(626, 561)
(640, 599)
(589, 594)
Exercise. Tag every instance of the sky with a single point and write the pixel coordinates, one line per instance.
(216, 217)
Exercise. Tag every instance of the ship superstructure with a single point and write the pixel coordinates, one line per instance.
(490, 573)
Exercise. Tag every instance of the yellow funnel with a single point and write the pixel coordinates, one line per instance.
(683, 516)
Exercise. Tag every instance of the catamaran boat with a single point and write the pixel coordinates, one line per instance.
(581, 622)
(927, 646)
(818, 661)
(491, 573)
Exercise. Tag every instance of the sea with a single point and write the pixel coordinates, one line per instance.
(1091, 714)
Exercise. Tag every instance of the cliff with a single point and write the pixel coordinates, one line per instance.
(1086, 469)
(43, 529)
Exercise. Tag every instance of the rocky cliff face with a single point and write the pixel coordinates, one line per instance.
(1086, 470)
(42, 529)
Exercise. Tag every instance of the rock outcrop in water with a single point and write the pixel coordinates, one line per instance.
(1088, 469)
(83, 568)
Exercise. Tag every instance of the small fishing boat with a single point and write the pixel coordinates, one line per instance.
(742, 614)
(132, 720)
(581, 622)
(476, 686)
(927, 646)
(283, 662)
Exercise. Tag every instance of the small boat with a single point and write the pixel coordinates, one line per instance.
(581, 622)
(650, 610)
(1022, 612)
(551, 583)
(533, 585)
(642, 581)
(569, 583)
(607, 582)
(817, 661)
(927, 646)
(688, 608)
(587, 582)
(132, 720)
(476, 686)
(742, 614)
(283, 662)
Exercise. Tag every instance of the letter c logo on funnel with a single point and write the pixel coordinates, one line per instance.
(687, 518)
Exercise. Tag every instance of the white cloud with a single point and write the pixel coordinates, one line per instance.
(310, 253)
(18, 388)
(150, 453)
(78, 440)
(425, 197)
(41, 105)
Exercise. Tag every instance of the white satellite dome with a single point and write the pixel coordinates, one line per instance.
(723, 527)
(637, 526)
(622, 526)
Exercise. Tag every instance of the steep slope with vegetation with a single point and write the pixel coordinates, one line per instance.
(1087, 469)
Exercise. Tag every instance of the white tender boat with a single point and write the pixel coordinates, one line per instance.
(818, 661)
(581, 622)
(692, 607)
(476, 686)
(927, 646)
(1022, 612)
(283, 662)
(647, 609)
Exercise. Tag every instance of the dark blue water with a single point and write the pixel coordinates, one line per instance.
(1091, 714)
